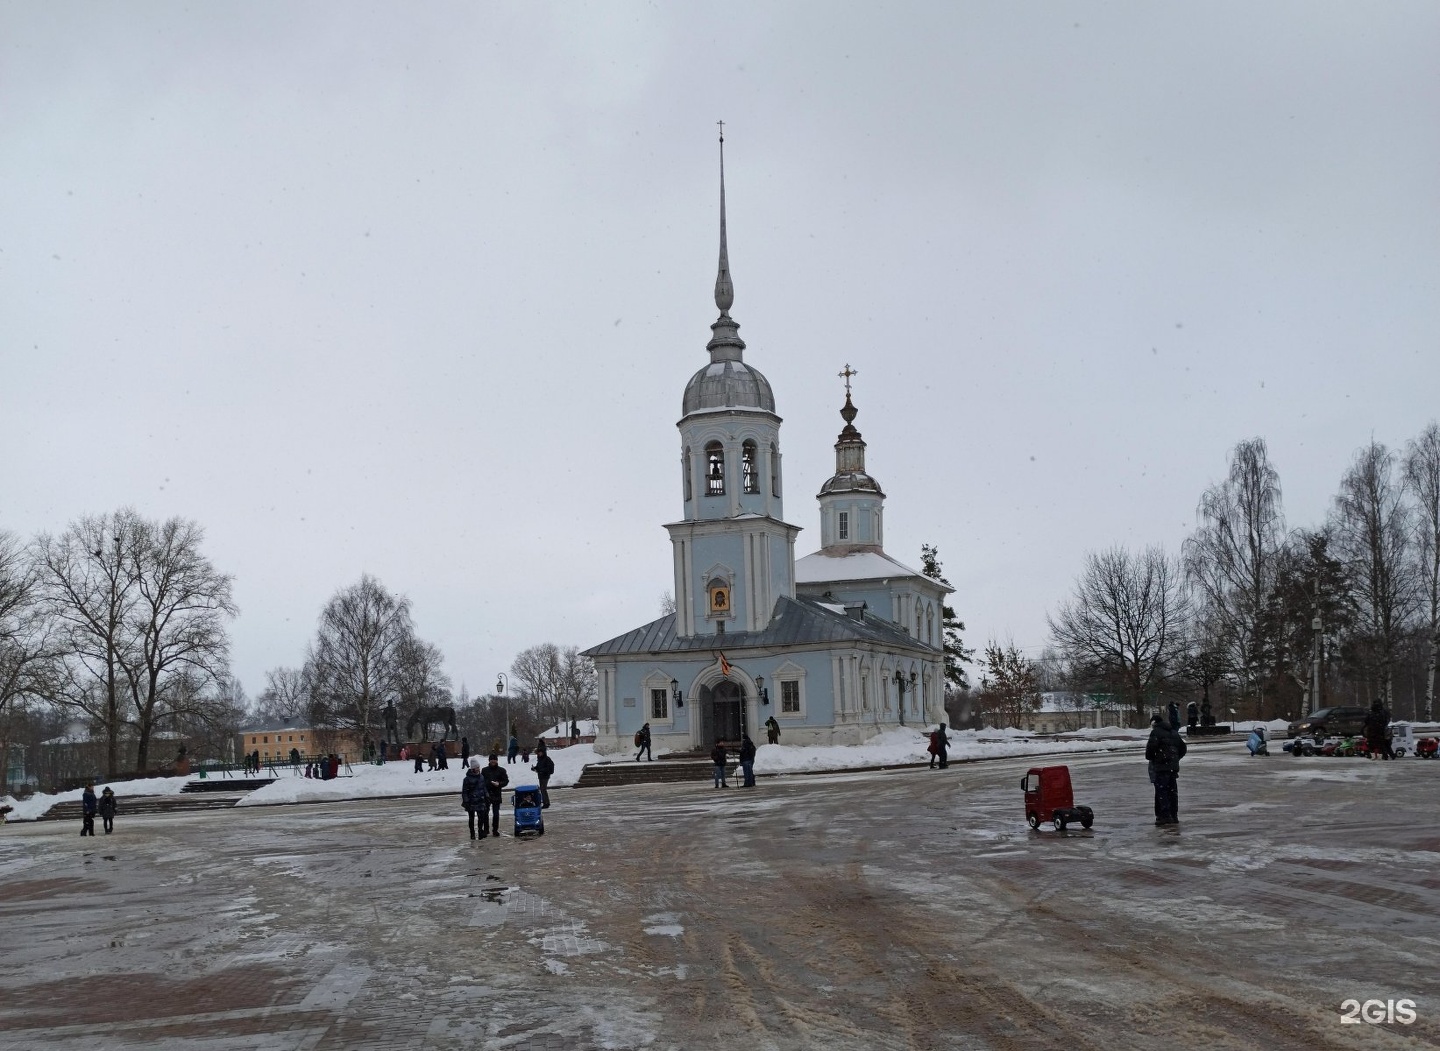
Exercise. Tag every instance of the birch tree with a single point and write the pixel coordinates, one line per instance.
(1371, 524)
(1230, 560)
(354, 662)
(1422, 479)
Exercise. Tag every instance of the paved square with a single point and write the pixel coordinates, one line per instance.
(909, 909)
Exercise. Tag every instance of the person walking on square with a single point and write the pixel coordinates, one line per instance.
(932, 749)
(544, 768)
(473, 796)
(747, 761)
(942, 747)
(772, 730)
(718, 757)
(1172, 712)
(513, 750)
(1164, 751)
(295, 759)
(465, 752)
(495, 781)
(88, 807)
(107, 810)
(642, 738)
(419, 757)
(1376, 725)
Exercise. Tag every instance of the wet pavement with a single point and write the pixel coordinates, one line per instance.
(899, 909)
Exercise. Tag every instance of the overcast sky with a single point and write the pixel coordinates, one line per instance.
(414, 289)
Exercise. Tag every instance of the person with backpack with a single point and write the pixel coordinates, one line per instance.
(544, 768)
(474, 796)
(719, 757)
(642, 743)
(1163, 752)
(495, 781)
(772, 730)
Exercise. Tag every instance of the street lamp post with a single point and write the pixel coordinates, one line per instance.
(502, 684)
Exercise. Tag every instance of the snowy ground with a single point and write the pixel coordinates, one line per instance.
(892, 910)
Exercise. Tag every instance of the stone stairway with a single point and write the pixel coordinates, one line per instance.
(130, 806)
(227, 785)
(661, 771)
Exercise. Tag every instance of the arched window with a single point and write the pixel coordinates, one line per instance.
(714, 469)
(774, 470)
(930, 624)
(748, 453)
(685, 468)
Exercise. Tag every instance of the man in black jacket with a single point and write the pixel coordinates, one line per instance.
(474, 795)
(495, 781)
(544, 767)
(1164, 751)
(747, 761)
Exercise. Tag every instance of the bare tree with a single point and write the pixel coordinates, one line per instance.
(560, 683)
(354, 661)
(92, 592)
(178, 659)
(578, 684)
(1372, 533)
(25, 630)
(1124, 627)
(421, 681)
(286, 697)
(1010, 684)
(1422, 479)
(1231, 558)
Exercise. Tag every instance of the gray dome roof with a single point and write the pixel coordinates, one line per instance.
(728, 384)
(850, 482)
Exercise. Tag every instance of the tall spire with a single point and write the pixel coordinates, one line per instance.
(724, 290)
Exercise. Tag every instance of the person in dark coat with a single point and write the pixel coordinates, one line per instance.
(474, 796)
(513, 750)
(255, 761)
(574, 731)
(719, 758)
(1377, 725)
(495, 781)
(384, 750)
(942, 747)
(294, 759)
(747, 761)
(88, 806)
(1164, 751)
(642, 739)
(1192, 715)
(772, 730)
(1172, 712)
(465, 752)
(419, 760)
(544, 768)
(107, 809)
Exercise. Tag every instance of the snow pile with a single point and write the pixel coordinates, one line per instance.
(399, 778)
(32, 808)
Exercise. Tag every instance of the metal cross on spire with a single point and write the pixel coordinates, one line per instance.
(847, 372)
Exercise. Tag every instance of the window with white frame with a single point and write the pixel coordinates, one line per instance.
(789, 697)
(659, 702)
(842, 525)
(749, 470)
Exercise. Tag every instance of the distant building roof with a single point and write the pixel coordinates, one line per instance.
(820, 568)
(796, 622)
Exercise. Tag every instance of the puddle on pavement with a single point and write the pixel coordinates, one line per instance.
(492, 907)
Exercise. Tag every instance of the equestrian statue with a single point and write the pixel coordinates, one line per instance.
(424, 717)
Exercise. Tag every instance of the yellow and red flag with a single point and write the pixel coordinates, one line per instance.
(724, 665)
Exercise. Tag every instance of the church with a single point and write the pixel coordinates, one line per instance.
(836, 646)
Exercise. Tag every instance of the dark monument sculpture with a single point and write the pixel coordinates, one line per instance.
(424, 717)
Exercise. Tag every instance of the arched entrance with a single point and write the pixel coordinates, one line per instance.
(723, 713)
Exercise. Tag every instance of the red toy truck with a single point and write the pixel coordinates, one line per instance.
(1048, 798)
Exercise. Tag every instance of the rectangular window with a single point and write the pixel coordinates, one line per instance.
(659, 704)
(842, 528)
(789, 697)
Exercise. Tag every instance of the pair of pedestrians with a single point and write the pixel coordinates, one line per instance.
(481, 794)
(90, 806)
(720, 756)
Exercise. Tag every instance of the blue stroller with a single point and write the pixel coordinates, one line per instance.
(527, 810)
(1256, 742)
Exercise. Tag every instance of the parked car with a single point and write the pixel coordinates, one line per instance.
(1329, 722)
